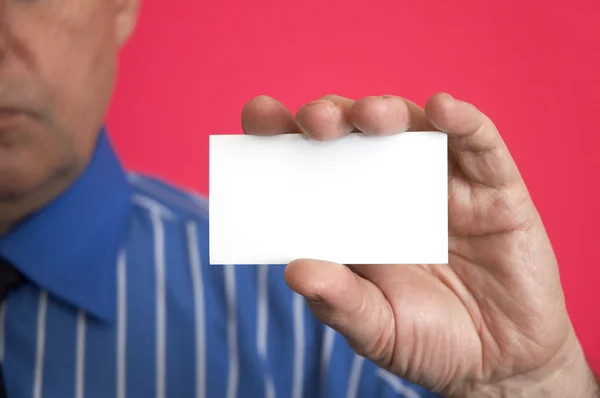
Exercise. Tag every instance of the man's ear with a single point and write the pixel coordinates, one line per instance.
(126, 18)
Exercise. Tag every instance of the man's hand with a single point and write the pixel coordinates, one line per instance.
(490, 323)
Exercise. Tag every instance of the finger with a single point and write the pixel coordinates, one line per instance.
(480, 152)
(388, 115)
(349, 304)
(264, 115)
(327, 118)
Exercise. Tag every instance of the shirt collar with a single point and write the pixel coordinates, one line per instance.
(70, 247)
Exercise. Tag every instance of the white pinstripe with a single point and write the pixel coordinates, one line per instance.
(396, 384)
(262, 326)
(153, 206)
(234, 362)
(161, 316)
(354, 379)
(299, 349)
(80, 355)
(198, 288)
(40, 345)
(326, 352)
(121, 324)
(196, 205)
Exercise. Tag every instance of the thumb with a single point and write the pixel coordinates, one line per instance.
(348, 303)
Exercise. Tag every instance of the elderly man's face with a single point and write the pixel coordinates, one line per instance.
(58, 61)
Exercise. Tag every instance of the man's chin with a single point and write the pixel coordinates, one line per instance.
(23, 171)
(32, 174)
(21, 195)
(17, 197)
(31, 184)
(21, 175)
(14, 187)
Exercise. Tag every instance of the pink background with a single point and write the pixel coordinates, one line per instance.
(534, 69)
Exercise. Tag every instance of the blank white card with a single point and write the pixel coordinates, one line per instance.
(355, 200)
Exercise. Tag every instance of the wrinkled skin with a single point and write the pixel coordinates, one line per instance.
(491, 322)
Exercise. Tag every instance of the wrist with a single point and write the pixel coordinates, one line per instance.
(567, 376)
(573, 379)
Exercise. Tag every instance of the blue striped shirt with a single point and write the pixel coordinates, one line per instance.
(120, 302)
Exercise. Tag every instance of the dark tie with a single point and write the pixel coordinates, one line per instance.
(9, 278)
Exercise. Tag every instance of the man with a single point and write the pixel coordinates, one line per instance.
(109, 289)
